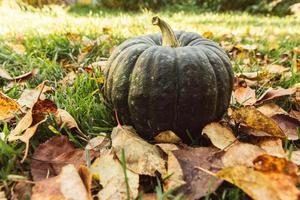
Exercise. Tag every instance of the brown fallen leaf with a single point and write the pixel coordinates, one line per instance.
(220, 136)
(21, 78)
(295, 114)
(257, 123)
(30, 96)
(261, 185)
(276, 69)
(62, 117)
(241, 154)
(69, 79)
(268, 163)
(271, 109)
(111, 174)
(4, 74)
(18, 48)
(49, 157)
(69, 184)
(192, 167)
(72, 184)
(272, 94)
(141, 157)
(8, 107)
(244, 95)
(289, 125)
(22, 191)
(272, 146)
(167, 137)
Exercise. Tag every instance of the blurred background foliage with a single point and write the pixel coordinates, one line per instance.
(272, 7)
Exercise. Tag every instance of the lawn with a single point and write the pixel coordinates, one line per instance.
(57, 40)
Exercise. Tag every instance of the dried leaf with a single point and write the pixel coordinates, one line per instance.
(167, 137)
(64, 118)
(245, 95)
(69, 79)
(48, 189)
(68, 185)
(289, 125)
(295, 114)
(257, 123)
(273, 146)
(271, 109)
(4, 74)
(110, 171)
(208, 34)
(295, 156)
(268, 163)
(260, 185)
(18, 48)
(8, 107)
(30, 96)
(141, 157)
(22, 191)
(49, 157)
(72, 185)
(241, 154)
(194, 164)
(220, 136)
(272, 94)
(276, 69)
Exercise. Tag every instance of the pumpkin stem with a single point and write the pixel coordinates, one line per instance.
(168, 35)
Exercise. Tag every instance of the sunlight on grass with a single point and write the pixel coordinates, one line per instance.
(57, 20)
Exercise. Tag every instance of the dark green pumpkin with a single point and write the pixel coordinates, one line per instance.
(157, 88)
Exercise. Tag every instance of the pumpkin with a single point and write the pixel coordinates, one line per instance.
(175, 81)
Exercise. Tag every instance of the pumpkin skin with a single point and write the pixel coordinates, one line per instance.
(157, 88)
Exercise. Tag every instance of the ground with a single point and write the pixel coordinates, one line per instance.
(58, 40)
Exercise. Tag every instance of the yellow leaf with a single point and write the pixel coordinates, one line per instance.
(257, 123)
(8, 107)
(208, 34)
(259, 185)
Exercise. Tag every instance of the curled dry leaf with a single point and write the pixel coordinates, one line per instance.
(8, 107)
(141, 157)
(28, 125)
(241, 154)
(62, 117)
(49, 157)
(69, 184)
(257, 123)
(272, 146)
(112, 178)
(190, 166)
(23, 77)
(272, 94)
(220, 136)
(167, 137)
(244, 95)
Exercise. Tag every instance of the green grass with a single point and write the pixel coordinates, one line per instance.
(44, 33)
